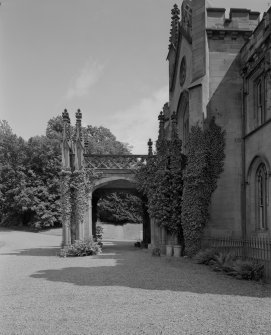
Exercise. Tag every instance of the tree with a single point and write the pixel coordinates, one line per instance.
(102, 141)
(12, 172)
(29, 175)
(42, 192)
(54, 128)
(119, 207)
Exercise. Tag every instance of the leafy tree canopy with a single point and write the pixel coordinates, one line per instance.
(29, 175)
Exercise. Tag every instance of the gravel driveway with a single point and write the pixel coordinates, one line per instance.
(123, 291)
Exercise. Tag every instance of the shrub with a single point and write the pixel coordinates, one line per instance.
(81, 248)
(99, 232)
(99, 235)
(231, 265)
(223, 262)
(205, 256)
(249, 270)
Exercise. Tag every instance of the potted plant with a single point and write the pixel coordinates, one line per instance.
(179, 246)
(177, 249)
(169, 250)
(169, 245)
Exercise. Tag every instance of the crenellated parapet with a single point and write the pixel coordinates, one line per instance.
(240, 23)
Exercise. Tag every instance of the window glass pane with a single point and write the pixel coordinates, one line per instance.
(261, 196)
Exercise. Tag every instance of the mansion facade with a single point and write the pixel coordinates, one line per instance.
(221, 67)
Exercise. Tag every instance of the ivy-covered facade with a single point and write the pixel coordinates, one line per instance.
(210, 176)
(219, 90)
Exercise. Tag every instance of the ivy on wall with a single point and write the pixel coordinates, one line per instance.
(161, 181)
(205, 160)
(179, 188)
(80, 185)
(65, 198)
(78, 189)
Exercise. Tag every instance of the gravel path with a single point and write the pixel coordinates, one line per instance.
(123, 291)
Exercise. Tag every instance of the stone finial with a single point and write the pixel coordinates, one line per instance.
(150, 143)
(65, 116)
(66, 123)
(174, 133)
(161, 119)
(78, 116)
(174, 31)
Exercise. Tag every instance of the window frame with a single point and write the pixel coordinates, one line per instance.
(261, 197)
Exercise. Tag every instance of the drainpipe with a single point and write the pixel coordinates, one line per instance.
(243, 149)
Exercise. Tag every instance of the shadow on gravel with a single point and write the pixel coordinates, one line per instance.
(138, 269)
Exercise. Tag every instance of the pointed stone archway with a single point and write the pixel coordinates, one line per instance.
(117, 183)
(114, 173)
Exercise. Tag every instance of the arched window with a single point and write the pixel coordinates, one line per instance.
(261, 196)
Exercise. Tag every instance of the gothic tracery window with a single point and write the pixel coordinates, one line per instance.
(261, 196)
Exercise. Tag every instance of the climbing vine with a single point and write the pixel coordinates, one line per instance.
(204, 165)
(161, 181)
(79, 196)
(65, 190)
(179, 188)
(81, 183)
(65, 176)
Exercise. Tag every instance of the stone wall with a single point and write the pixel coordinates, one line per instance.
(125, 232)
(225, 209)
(198, 39)
(215, 85)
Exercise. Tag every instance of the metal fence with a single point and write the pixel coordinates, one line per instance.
(255, 249)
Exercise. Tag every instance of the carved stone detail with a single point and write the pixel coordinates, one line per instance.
(174, 31)
(114, 162)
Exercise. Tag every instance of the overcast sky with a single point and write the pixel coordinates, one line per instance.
(106, 57)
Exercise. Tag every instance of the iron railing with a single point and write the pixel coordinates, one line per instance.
(255, 248)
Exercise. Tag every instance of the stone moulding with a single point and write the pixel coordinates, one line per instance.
(220, 34)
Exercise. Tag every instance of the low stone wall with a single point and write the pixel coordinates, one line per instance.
(125, 232)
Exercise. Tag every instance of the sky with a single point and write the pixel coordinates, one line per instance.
(105, 57)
